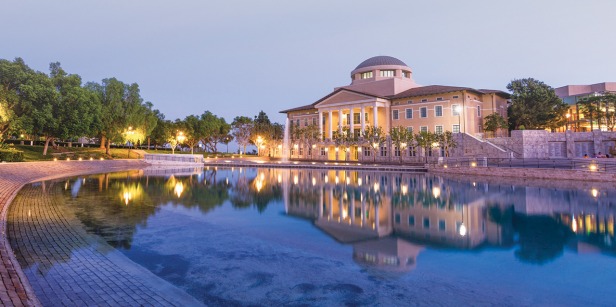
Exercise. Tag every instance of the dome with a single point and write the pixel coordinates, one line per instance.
(380, 60)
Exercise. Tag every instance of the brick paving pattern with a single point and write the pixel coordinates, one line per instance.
(15, 289)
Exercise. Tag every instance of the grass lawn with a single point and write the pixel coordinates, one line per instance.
(35, 153)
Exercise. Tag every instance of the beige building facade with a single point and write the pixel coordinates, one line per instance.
(384, 94)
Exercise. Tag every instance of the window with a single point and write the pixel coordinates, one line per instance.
(314, 121)
(297, 122)
(347, 119)
(456, 97)
(301, 151)
(479, 111)
(439, 98)
(423, 129)
(396, 151)
(366, 75)
(305, 122)
(310, 151)
(426, 223)
(441, 225)
(438, 129)
(455, 129)
(424, 112)
(395, 114)
(397, 218)
(383, 151)
(455, 110)
(409, 102)
(322, 151)
(367, 151)
(409, 113)
(438, 111)
(356, 118)
(424, 100)
(411, 220)
(406, 74)
(388, 73)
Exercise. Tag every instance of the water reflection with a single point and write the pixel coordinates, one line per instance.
(388, 218)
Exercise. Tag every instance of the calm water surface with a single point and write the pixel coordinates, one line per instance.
(239, 236)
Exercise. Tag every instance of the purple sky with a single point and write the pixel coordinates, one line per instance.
(238, 57)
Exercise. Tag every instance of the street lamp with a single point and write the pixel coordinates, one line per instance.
(567, 122)
(458, 109)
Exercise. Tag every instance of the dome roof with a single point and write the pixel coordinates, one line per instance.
(380, 60)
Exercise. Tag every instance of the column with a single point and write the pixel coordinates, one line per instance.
(320, 125)
(352, 121)
(340, 121)
(375, 115)
(331, 123)
(362, 119)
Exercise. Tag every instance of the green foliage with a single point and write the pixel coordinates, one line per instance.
(425, 139)
(11, 155)
(601, 108)
(493, 122)
(374, 138)
(241, 130)
(446, 141)
(534, 105)
(401, 138)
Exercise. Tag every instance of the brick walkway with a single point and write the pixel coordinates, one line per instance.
(15, 289)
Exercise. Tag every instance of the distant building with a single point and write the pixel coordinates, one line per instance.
(574, 94)
(384, 94)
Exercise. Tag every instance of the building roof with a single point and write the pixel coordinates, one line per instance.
(311, 106)
(380, 60)
(440, 89)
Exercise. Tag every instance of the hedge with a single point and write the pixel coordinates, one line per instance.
(8, 155)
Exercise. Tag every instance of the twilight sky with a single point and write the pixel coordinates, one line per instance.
(236, 57)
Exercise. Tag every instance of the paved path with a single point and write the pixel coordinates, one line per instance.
(15, 289)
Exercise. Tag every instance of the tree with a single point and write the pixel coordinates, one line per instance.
(534, 105)
(493, 122)
(425, 139)
(63, 109)
(401, 138)
(310, 136)
(191, 127)
(374, 138)
(344, 139)
(13, 101)
(602, 108)
(241, 130)
(446, 141)
(150, 121)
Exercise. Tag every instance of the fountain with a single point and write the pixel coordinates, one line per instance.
(285, 142)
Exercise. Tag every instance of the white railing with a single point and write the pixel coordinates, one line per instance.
(173, 159)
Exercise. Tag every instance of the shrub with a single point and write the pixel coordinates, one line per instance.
(11, 155)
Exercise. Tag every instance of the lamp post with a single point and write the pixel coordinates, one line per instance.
(459, 111)
(180, 137)
(568, 115)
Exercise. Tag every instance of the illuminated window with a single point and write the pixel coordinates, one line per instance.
(366, 75)
(388, 73)
(406, 74)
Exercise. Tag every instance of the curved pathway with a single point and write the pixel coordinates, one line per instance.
(15, 289)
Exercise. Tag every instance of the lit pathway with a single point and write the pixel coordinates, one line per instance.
(14, 287)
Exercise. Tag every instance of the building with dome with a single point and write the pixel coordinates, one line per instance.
(383, 93)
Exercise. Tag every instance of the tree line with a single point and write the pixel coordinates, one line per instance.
(59, 106)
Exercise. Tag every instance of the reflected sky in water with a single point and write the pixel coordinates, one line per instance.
(234, 236)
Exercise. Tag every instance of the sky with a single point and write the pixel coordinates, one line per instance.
(237, 57)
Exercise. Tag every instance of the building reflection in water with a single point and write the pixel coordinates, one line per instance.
(389, 218)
